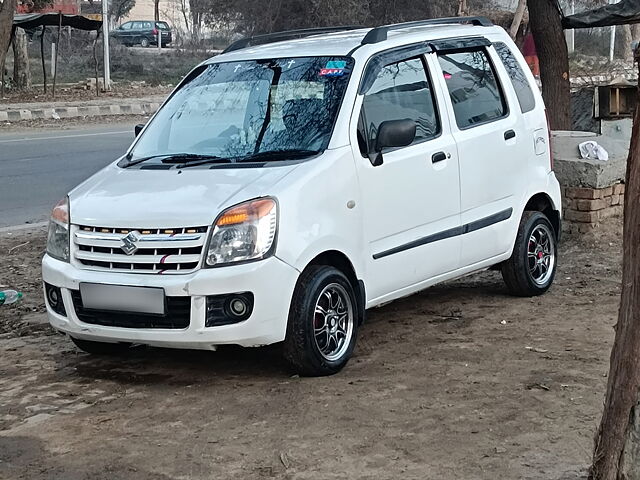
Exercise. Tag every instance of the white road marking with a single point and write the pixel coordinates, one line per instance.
(14, 140)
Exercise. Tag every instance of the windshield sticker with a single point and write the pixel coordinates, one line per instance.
(334, 68)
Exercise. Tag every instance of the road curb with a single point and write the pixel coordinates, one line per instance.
(134, 108)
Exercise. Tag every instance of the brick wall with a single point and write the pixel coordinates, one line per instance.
(585, 208)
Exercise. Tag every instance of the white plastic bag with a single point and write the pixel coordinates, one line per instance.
(591, 150)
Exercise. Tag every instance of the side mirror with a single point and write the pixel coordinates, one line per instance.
(393, 134)
(138, 128)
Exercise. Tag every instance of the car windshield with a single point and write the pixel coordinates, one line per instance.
(240, 110)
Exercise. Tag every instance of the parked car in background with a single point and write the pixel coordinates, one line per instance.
(143, 33)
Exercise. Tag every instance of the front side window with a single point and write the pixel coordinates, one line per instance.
(475, 93)
(237, 110)
(401, 90)
(517, 76)
(162, 25)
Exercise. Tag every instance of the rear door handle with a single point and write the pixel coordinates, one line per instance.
(509, 134)
(438, 157)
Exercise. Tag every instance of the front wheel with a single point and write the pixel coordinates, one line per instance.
(322, 326)
(532, 267)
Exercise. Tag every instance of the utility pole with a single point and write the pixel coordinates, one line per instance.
(105, 45)
(612, 44)
(571, 34)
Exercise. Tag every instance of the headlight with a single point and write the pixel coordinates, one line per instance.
(58, 237)
(243, 233)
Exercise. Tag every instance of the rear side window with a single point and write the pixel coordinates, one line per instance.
(518, 78)
(137, 25)
(400, 90)
(475, 93)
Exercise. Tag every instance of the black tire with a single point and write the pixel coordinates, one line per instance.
(144, 42)
(526, 275)
(301, 346)
(101, 348)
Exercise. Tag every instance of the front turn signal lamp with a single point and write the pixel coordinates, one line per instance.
(244, 233)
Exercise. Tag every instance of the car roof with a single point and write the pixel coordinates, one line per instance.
(345, 42)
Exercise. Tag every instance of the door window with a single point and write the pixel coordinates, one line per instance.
(137, 25)
(518, 78)
(473, 86)
(401, 90)
(147, 26)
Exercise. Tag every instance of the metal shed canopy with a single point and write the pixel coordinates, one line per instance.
(29, 21)
(623, 13)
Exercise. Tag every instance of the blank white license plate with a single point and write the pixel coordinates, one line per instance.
(119, 298)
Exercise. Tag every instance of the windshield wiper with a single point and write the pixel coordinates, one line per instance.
(272, 155)
(183, 159)
(193, 159)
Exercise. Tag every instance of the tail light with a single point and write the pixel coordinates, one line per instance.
(550, 146)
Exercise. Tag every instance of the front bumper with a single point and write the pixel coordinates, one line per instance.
(271, 281)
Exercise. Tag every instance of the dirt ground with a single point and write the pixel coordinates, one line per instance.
(67, 93)
(49, 124)
(460, 381)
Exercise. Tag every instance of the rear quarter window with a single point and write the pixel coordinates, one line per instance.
(517, 76)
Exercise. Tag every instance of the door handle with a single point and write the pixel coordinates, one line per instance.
(438, 157)
(509, 134)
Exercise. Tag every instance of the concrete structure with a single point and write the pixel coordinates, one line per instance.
(592, 190)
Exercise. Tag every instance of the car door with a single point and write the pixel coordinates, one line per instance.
(411, 202)
(122, 32)
(489, 138)
(136, 32)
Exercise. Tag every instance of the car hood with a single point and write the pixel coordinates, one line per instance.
(134, 198)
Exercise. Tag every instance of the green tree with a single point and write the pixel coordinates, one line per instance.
(119, 9)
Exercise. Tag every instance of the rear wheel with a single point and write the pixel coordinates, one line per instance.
(532, 267)
(322, 326)
(100, 348)
(144, 42)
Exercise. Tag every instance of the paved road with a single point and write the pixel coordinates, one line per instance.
(37, 168)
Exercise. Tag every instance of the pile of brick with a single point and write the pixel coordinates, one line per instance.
(585, 208)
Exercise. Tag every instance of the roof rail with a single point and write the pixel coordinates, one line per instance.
(286, 35)
(379, 34)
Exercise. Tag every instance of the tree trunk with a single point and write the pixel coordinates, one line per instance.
(156, 10)
(463, 11)
(635, 32)
(7, 9)
(617, 445)
(517, 18)
(21, 68)
(551, 46)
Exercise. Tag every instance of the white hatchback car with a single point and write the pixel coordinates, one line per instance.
(300, 178)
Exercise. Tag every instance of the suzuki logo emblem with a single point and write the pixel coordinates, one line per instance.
(129, 242)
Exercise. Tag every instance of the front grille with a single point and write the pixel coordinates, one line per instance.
(177, 317)
(165, 250)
